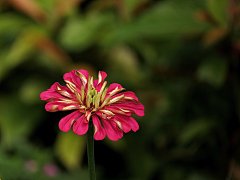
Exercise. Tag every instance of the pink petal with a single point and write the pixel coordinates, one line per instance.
(95, 82)
(84, 79)
(56, 86)
(100, 132)
(137, 108)
(113, 86)
(80, 127)
(126, 127)
(84, 72)
(129, 120)
(133, 124)
(101, 76)
(67, 107)
(112, 130)
(66, 122)
(87, 116)
(116, 110)
(73, 78)
(52, 92)
(47, 95)
(51, 107)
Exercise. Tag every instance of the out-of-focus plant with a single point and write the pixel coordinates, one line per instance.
(180, 57)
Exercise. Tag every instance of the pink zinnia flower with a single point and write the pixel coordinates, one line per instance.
(93, 99)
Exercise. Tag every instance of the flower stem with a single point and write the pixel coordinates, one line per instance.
(90, 152)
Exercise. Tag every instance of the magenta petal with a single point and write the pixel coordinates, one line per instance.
(73, 78)
(76, 79)
(124, 120)
(57, 86)
(67, 107)
(95, 82)
(54, 106)
(45, 95)
(112, 130)
(80, 127)
(100, 132)
(51, 107)
(84, 72)
(114, 86)
(116, 110)
(66, 122)
(133, 124)
(137, 108)
(101, 76)
(52, 94)
(127, 122)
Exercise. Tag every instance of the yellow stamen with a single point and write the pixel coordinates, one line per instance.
(104, 94)
(115, 99)
(82, 93)
(105, 102)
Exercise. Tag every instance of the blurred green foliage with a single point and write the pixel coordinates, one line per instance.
(181, 58)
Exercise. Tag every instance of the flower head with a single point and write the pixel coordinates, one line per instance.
(109, 109)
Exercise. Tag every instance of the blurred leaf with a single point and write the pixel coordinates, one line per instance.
(29, 165)
(16, 120)
(47, 4)
(64, 7)
(100, 5)
(31, 152)
(10, 165)
(214, 35)
(50, 48)
(218, 9)
(31, 8)
(11, 24)
(70, 149)
(132, 4)
(79, 33)
(165, 19)
(123, 59)
(30, 90)
(213, 70)
(18, 53)
(194, 130)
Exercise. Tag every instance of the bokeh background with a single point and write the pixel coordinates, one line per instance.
(180, 57)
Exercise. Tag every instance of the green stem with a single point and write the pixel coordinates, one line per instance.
(90, 152)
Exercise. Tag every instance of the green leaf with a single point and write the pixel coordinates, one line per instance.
(11, 24)
(30, 90)
(70, 149)
(123, 60)
(165, 19)
(131, 5)
(80, 33)
(213, 71)
(218, 9)
(17, 120)
(48, 4)
(19, 51)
